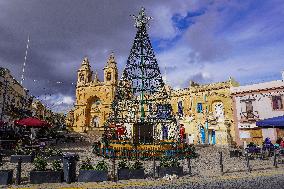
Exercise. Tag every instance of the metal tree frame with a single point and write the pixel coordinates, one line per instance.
(141, 98)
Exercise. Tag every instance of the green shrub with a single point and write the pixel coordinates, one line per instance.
(169, 162)
(122, 165)
(86, 165)
(137, 165)
(101, 166)
(56, 165)
(40, 164)
(164, 162)
(174, 162)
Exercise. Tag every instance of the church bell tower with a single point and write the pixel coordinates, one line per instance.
(84, 73)
(110, 71)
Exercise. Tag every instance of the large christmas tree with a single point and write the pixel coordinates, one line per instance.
(141, 103)
(141, 99)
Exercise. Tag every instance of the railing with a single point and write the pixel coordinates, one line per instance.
(249, 116)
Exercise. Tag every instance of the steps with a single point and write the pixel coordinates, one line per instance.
(95, 135)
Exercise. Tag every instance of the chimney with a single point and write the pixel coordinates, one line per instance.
(282, 75)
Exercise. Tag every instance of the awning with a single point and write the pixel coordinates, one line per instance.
(271, 122)
(31, 122)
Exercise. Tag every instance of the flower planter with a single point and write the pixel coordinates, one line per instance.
(137, 174)
(123, 174)
(92, 176)
(25, 158)
(38, 177)
(162, 171)
(6, 177)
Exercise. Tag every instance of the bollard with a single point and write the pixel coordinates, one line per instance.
(275, 159)
(19, 170)
(154, 167)
(221, 163)
(69, 167)
(189, 166)
(248, 165)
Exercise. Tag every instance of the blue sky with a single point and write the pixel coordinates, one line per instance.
(242, 39)
(202, 40)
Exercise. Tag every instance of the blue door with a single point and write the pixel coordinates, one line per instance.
(202, 132)
(213, 137)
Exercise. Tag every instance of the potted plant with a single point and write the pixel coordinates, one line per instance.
(169, 166)
(137, 171)
(26, 155)
(89, 173)
(6, 177)
(134, 171)
(123, 171)
(43, 175)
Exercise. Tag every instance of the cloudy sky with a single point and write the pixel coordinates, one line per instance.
(204, 41)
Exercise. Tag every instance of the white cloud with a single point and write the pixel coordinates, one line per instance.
(57, 102)
(68, 100)
(219, 45)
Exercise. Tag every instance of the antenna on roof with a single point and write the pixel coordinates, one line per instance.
(26, 54)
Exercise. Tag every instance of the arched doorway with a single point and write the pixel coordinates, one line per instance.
(93, 112)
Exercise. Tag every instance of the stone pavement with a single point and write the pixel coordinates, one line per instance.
(231, 180)
(204, 168)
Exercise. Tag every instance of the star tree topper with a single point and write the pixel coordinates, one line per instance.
(141, 20)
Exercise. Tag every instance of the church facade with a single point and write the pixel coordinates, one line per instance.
(205, 111)
(93, 97)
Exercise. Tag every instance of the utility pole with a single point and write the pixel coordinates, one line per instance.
(25, 59)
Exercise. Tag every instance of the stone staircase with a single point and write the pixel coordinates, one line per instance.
(94, 135)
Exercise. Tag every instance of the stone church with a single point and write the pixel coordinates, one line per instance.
(93, 97)
(204, 110)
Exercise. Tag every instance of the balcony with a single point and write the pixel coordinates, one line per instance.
(249, 116)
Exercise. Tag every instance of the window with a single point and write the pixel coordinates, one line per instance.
(249, 109)
(199, 107)
(108, 76)
(277, 103)
(81, 77)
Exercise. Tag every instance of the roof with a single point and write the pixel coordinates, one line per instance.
(258, 86)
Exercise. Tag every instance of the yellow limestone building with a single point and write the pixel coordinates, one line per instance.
(93, 97)
(207, 113)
